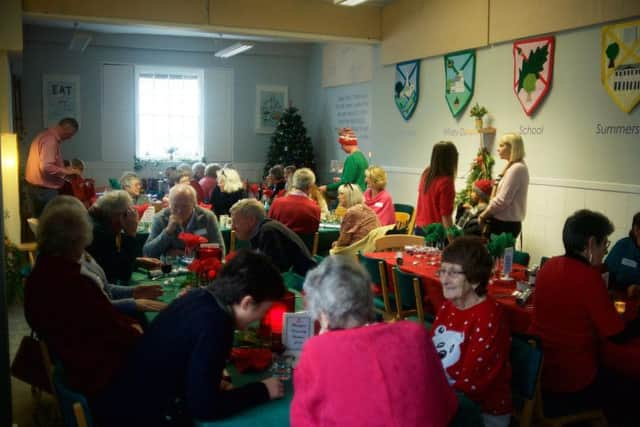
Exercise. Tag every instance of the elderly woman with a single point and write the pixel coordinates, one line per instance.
(574, 315)
(209, 181)
(471, 332)
(230, 189)
(623, 262)
(376, 197)
(131, 183)
(66, 308)
(508, 207)
(182, 215)
(114, 244)
(359, 219)
(350, 350)
(198, 169)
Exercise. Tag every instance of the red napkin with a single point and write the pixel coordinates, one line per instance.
(191, 240)
(267, 193)
(141, 209)
(255, 359)
(205, 205)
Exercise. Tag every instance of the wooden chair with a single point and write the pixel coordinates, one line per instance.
(408, 295)
(311, 241)
(526, 365)
(397, 242)
(384, 304)
(408, 210)
(235, 244)
(73, 405)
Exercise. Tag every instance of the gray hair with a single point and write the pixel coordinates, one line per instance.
(341, 289)
(230, 179)
(303, 179)
(212, 170)
(248, 208)
(352, 194)
(127, 179)
(183, 169)
(114, 202)
(183, 189)
(198, 166)
(64, 226)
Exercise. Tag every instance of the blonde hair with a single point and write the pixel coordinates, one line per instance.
(352, 194)
(183, 189)
(230, 180)
(248, 208)
(64, 226)
(514, 141)
(377, 176)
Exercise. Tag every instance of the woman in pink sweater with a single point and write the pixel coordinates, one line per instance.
(508, 206)
(376, 197)
(359, 374)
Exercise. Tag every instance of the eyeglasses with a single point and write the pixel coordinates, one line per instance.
(443, 273)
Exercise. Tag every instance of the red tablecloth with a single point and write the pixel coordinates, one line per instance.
(500, 290)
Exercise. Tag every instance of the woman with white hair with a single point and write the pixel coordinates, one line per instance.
(66, 308)
(182, 215)
(114, 245)
(359, 219)
(131, 183)
(349, 348)
(229, 190)
(508, 206)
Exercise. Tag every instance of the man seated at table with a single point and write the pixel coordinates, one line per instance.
(623, 262)
(182, 215)
(360, 374)
(176, 369)
(296, 210)
(573, 316)
(270, 237)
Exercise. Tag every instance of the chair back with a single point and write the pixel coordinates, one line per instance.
(526, 365)
(235, 243)
(544, 259)
(409, 210)
(114, 184)
(397, 242)
(364, 245)
(311, 241)
(73, 405)
(408, 294)
(521, 258)
(293, 280)
(377, 270)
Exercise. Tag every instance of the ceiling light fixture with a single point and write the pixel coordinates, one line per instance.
(234, 49)
(348, 2)
(79, 40)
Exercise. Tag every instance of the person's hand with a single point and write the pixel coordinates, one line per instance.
(147, 291)
(275, 387)
(336, 179)
(174, 223)
(482, 219)
(149, 305)
(129, 221)
(70, 171)
(323, 188)
(633, 291)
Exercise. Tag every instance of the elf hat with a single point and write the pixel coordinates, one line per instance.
(347, 137)
(482, 187)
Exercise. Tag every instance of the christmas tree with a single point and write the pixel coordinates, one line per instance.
(481, 168)
(290, 144)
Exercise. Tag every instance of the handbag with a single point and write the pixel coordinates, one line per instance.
(29, 365)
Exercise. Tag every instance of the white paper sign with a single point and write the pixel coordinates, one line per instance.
(507, 264)
(61, 98)
(297, 328)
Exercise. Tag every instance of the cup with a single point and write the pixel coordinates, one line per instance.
(281, 367)
(620, 306)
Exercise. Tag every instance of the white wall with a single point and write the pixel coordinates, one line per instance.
(571, 166)
(269, 63)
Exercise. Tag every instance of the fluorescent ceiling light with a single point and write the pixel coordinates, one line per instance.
(348, 2)
(79, 41)
(234, 49)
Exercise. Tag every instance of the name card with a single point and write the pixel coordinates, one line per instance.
(297, 328)
(507, 264)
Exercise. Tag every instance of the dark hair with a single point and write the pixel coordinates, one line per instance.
(471, 253)
(69, 121)
(277, 172)
(444, 162)
(634, 223)
(582, 225)
(248, 273)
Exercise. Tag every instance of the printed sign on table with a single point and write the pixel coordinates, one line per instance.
(297, 328)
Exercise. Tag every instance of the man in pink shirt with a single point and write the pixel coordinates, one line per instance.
(45, 172)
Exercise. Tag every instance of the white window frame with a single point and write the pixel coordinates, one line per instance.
(149, 69)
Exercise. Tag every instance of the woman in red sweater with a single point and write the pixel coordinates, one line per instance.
(436, 192)
(376, 197)
(471, 332)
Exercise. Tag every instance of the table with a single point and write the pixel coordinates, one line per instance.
(519, 316)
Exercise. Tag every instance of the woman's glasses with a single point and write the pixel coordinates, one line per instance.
(444, 273)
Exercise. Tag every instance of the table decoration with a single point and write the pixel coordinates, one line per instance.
(205, 269)
(191, 241)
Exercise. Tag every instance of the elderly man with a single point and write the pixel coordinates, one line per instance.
(131, 183)
(182, 215)
(45, 172)
(297, 211)
(270, 237)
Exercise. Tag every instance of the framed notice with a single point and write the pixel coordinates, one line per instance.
(60, 97)
(271, 101)
(297, 328)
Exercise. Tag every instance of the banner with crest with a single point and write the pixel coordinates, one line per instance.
(532, 71)
(620, 63)
(459, 74)
(406, 89)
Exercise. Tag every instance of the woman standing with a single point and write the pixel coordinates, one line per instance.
(436, 192)
(508, 207)
(376, 197)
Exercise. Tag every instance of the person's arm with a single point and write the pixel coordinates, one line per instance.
(349, 222)
(349, 174)
(159, 239)
(604, 318)
(48, 153)
(446, 197)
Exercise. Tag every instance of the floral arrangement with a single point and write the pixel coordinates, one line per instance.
(191, 241)
(206, 269)
(498, 243)
(478, 111)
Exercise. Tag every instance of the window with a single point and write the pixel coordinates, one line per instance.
(169, 113)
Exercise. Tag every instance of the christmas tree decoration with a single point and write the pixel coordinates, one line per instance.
(620, 63)
(459, 75)
(406, 88)
(290, 144)
(481, 168)
(532, 71)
